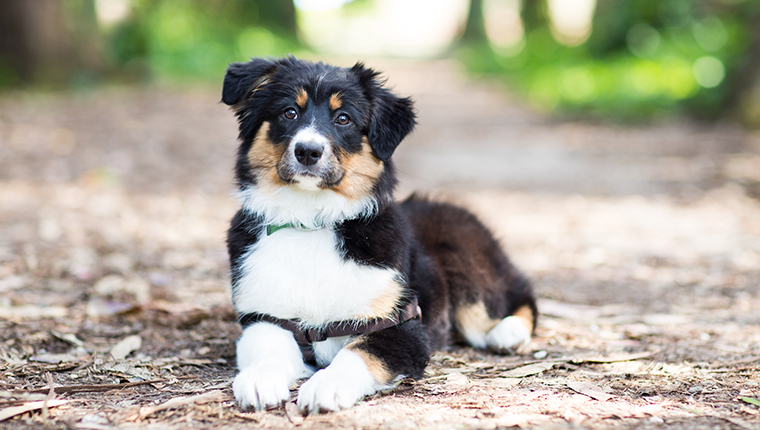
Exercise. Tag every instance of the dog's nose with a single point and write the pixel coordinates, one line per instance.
(308, 153)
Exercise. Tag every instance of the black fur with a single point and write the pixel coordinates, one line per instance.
(446, 257)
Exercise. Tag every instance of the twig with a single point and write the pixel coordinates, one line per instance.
(103, 387)
(209, 397)
(50, 396)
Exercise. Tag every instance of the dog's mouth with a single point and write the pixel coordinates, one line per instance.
(310, 178)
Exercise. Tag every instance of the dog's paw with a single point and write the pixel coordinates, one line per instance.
(509, 336)
(261, 388)
(339, 386)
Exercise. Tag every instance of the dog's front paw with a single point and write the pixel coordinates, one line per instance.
(339, 386)
(509, 336)
(328, 391)
(261, 388)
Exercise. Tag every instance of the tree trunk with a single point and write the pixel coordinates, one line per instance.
(475, 28)
(278, 16)
(35, 43)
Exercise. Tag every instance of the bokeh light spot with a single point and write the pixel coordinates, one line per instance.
(709, 71)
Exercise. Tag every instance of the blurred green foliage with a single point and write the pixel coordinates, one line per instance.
(182, 39)
(643, 58)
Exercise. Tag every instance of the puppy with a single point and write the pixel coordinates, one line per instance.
(328, 272)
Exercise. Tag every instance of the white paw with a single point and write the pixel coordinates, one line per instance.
(259, 388)
(509, 336)
(339, 386)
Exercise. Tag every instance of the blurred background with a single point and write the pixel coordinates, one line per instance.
(611, 59)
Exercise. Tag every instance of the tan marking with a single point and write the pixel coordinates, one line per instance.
(264, 157)
(474, 318)
(362, 171)
(384, 305)
(301, 98)
(376, 366)
(335, 101)
(526, 316)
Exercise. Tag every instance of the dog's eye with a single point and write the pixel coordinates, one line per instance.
(290, 113)
(343, 119)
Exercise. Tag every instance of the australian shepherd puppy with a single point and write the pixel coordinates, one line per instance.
(328, 272)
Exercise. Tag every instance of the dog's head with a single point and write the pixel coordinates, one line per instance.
(315, 127)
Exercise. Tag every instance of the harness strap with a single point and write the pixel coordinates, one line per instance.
(305, 337)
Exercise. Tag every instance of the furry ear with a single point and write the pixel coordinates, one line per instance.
(243, 77)
(392, 117)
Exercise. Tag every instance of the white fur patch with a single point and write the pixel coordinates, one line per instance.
(338, 386)
(295, 274)
(325, 351)
(510, 335)
(309, 134)
(270, 362)
(307, 183)
(291, 204)
(476, 338)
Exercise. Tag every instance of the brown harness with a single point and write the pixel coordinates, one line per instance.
(305, 337)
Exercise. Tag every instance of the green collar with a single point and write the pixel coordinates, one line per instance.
(271, 228)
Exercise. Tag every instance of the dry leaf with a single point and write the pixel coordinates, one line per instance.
(32, 312)
(293, 412)
(211, 396)
(28, 407)
(590, 390)
(54, 358)
(615, 357)
(457, 381)
(530, 369)
(499, 382)
(127, 345)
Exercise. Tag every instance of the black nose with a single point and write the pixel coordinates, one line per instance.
(308, 153)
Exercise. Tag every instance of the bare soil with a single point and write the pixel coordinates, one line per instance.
(643, 243)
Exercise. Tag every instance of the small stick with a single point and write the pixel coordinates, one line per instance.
(50, 396)
(103, 387)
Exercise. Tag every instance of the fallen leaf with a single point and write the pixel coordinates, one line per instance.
(614, 358)
(457, 381)
(750, 400)
(127, 346)
(99, 307)
(32, 312)
(54, 358)
(28, 407)
(530, 369)
(576, 311)
(499, 382)
(590, 390)
(200, 399)
(740, 423)
(68, 337)
(293, 412)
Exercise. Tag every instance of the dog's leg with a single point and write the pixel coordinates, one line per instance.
(508, 335)
(270, 362)
(512, 334)
(371, 362)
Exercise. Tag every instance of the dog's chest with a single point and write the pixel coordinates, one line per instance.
(294, 274)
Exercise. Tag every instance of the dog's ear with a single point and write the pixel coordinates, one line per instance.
(391, 119)
(241, 78)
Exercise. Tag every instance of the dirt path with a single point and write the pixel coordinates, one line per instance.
(644, 245)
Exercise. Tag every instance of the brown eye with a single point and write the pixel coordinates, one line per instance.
(343, 119)
(290, 113)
